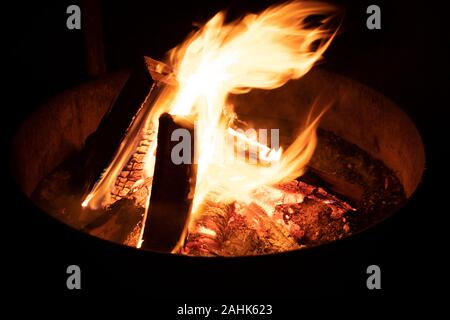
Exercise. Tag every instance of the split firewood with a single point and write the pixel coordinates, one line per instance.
(116, 222)
(172, 190)
(132, 174)
(102, 145)
(121, 221)
(338, 186)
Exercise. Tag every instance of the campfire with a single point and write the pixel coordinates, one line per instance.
(222, 150)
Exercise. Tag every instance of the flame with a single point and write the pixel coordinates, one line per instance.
(261, 51)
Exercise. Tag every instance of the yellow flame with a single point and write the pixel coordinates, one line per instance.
(258, 51)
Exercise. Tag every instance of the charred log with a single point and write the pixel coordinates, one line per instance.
(172, 191)
(133, 172)
(101, 146)
(303, 215)
(117, 222)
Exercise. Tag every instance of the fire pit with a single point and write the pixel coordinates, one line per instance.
(361, 163)
(377, 133)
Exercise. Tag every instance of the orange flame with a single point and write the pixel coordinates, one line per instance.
(259, 51)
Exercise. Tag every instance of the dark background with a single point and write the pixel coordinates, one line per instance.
(402, 60)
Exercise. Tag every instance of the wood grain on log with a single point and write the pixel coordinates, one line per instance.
(134, 102)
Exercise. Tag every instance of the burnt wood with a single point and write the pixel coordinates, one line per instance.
(339, 186)
(172, 189)
(101, 146)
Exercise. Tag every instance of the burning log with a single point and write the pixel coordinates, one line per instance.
(103, 143)
(209, 232)
(133, 172)
(116, 222)
(122, 220)
(286, 217)
(172, 191)
(347, 189)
